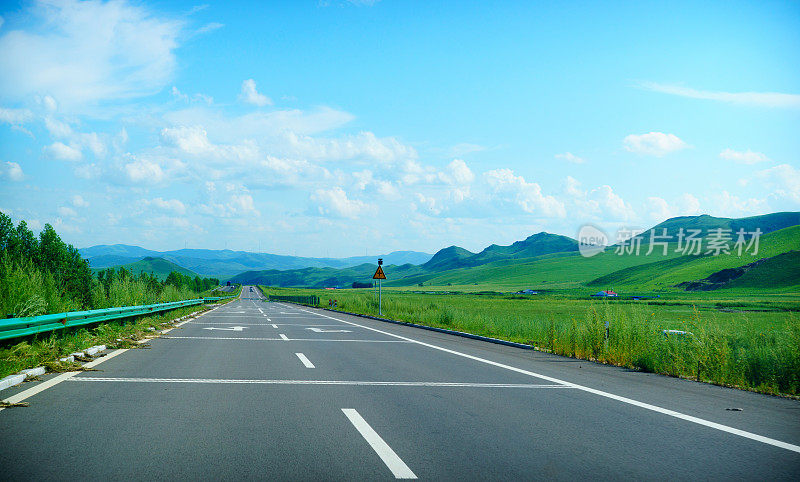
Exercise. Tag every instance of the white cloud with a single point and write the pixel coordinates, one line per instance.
(166, 204)
(193, 141)
(49, 103)
(783, 180)
(15, 116)
(260, 124)
(362, 146)
(761, 99)
(653, 143)
(573, 187)
(457, 173)
(743, 157)
(178, 95)
(63, 152)
(660, 209)
(610, 204)
(144, 170)
(12, 171)
(67, 212)
(570, 157)
(429, 203)
(78, 201)
(250, 95)
(730, 205)
(57, 128)
(209, 27)
(334, 202)
(527, 195)
(88, 171)
(243, 204)
(85, 52)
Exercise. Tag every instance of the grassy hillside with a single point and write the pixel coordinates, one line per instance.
(772, 272)
(666, 274)
(551, 262)
(705, 223)
(158, 267)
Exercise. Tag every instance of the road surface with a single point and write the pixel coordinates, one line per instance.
(259, 390)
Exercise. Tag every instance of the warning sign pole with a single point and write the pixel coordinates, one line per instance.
(379, 275)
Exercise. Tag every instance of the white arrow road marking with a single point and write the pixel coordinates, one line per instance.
(399, 469)
(233, 328)
(320, 330)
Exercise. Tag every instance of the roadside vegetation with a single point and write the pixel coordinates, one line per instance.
(42, 275)
(749, 344)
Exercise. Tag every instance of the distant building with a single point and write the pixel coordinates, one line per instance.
(605, 294)
(527, 292)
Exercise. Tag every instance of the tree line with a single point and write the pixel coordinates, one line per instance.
(43, 274)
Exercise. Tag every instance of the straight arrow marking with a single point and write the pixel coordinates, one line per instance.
(320, 330)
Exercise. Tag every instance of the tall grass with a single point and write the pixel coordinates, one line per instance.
(27, 290)
(747, 354)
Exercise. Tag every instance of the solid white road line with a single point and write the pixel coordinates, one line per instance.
(230, 323)
(305, 360)
(630, 401)
(283, 337)
(274, 339)
(58, 379)
(68, 375)
(364, 383)
(387, 455)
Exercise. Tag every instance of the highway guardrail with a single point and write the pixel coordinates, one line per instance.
(306, 300)
(31, 325)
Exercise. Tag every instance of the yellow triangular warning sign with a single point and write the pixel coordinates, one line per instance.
(379, 274)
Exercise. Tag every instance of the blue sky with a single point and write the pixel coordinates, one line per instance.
(343, 128)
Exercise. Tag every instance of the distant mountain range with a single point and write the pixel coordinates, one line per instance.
(548, 261)
(158, 267)
(226, 263)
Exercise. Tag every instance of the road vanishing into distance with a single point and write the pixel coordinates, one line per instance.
(265, 390)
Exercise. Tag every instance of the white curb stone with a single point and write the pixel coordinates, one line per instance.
(95, 349)
(32, 372)
(67, 359)
(11, 380)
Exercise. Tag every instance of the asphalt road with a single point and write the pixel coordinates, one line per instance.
(257, 390)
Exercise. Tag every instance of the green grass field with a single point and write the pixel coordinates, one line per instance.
(748, 341)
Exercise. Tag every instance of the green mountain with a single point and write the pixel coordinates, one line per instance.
(767, 223)
(158, 267)
(551, 262)
(222, 263)
(667, 273)
(448, 258)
